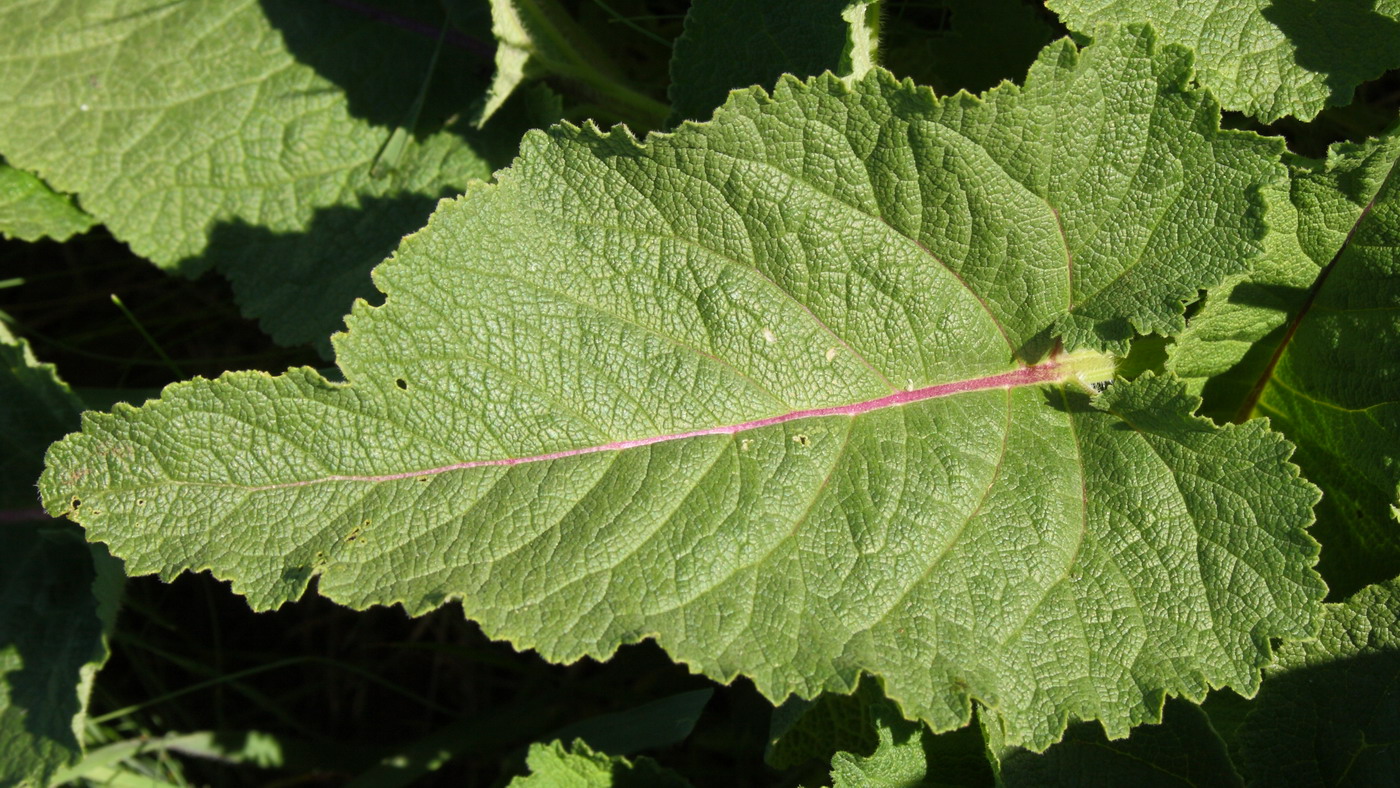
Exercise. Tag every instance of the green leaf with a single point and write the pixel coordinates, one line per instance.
(555, 766)
(273, 140)
(758, 389)
(652, 725)
(535, 38)
(878, 747)
(1184, 750)
(863, 739)
(1327, 713)
(36, 408)
(30, 210)
(1266, 58)
(805, 730)
(731, 44)
(970, 45)
(898, 760)
(1311, 339)
(57, 594)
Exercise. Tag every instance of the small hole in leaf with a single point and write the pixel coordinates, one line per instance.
(76, 503)
(402, 384)
(422, 479)
(801, 440)
(140, 501)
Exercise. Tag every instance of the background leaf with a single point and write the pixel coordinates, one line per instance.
(660, 723)
(554, 765)
(593, 407)
(1311, 339)
(30, 210)
(1328, 712)
(537, 38)
(1183, 750)
(273, 140)
(971, 45)
(1266, 58)
(58, 595)
(732, 44)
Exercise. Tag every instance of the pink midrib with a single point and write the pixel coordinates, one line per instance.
(1047, 372)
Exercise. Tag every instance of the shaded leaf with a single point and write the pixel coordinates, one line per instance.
(1266, 58)
(732, 44)
(652, 725)
(197, 132)
(1311, 339)
(535, 38)
(58, 594)
(1329, 711)
(577, 766)
(1183, 750)
(970, 45)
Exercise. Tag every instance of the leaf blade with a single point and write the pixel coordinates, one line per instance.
(242, 137)
(606, 292)
(1299, 56)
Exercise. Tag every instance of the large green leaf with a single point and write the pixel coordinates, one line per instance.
(275, 140)
(1311, 339)
(57, 593)
(731, 44)
(1267, 58)
(758, 389)
(1329, 711)
(30, 210)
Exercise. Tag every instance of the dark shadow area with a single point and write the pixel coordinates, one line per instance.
(1335, 723)
(1345, 40)
(1035, 349)
(762, 42)
(942, 43)
(1183, 751)
(809, 733)
(1223, 394)
(48, 614)
(350, 694)
(1282, 298)
(381, 54)
(1359, 536)
(1068, 400)
(64, 309)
